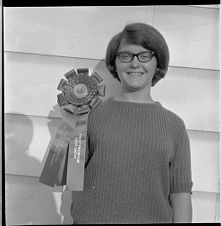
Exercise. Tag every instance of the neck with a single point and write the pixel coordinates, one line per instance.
(139, 96)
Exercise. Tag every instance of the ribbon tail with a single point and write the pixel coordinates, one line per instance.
(62, 175)
(56, 155)
(76, 155)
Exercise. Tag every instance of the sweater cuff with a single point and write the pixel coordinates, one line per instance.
(182, 187)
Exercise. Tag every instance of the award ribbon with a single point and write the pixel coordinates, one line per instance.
(66, 159)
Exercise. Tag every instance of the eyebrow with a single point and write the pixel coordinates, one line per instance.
(146, 51)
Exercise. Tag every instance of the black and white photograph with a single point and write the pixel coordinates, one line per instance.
(111, 114)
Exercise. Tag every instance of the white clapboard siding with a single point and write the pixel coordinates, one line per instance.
(204, 207)
(218, 208)
(27, 143)
(68, 31)
(205, 160)
(29, 202)
(28, 138)
(207, 6)
(193, 94)
(31, 88)
(192, 34)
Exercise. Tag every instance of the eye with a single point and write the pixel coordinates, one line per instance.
(125, 55)
(145, 55)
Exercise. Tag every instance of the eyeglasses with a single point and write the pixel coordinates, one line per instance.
(127, 57)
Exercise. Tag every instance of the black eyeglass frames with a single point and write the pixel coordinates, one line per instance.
(127, 57)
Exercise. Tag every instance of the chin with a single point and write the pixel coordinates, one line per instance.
(134, 87)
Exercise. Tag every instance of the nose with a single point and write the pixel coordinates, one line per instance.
(135, 62)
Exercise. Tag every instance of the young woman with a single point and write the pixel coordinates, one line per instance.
(138, 167)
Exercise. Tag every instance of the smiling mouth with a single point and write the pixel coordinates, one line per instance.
(135, 74)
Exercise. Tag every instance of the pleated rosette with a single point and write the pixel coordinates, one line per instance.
(81, 92)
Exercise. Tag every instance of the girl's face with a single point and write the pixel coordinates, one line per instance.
(135, 75)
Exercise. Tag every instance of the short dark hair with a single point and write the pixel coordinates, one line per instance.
(146, 36)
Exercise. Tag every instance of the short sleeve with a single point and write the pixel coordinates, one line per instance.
(180, 166)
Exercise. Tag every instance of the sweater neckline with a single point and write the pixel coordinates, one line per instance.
(122, 102)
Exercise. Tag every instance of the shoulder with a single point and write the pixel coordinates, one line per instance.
(179, 130)
(99, 109)
(174, 118)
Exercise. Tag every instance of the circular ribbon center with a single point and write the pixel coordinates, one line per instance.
(80, 91)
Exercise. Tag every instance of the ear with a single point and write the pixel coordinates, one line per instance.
(110, 68)
(158, 72)
(113, 69)
(156, 76)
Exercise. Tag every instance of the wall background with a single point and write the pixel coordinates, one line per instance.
(42, 44)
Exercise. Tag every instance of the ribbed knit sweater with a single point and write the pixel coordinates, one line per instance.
(137, 155)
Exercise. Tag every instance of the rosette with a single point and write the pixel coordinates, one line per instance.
(66, 158)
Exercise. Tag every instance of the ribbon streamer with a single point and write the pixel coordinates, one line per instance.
(56, 154)
(76, 155)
